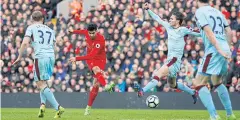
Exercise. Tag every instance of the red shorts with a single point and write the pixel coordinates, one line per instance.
(100, 63)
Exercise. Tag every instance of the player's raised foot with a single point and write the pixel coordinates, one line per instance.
(41, 111)
(195, 97)
(139, 90)
(217, 117)
(87, 110)
(231, 117)
(59, 112)
(110, 87)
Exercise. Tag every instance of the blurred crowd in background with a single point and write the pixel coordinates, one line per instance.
(135, 44)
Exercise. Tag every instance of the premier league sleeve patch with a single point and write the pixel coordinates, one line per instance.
(97, 45)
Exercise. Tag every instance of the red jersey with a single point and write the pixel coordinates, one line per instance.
(95, 48)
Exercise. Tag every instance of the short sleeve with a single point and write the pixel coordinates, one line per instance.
(28, 32)
(201, 19)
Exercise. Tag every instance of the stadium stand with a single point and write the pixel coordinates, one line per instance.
(136, 45)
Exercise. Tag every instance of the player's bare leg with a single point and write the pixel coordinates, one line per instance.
(223, 95)
(157, 75)
(177, 85)
(93, 94)
(46, 94)
(100, 78)
(172, 82)
(205, 95)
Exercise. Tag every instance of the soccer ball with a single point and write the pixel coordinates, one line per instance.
(152, 101)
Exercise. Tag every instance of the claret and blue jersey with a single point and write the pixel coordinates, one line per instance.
(43, 41)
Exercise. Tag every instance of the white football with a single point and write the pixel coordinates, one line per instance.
(152, 101)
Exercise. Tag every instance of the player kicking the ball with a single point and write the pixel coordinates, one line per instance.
(214, 29)
(96, 60)
(43, 42)
(176, 45)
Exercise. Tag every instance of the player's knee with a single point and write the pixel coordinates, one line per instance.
(196, 82)
(157, 74)
(41, 84)
(96, 84)
(96, 69)
(173, 85)
(200, 80)
(172, 82)
(216, 84)
(163, 71)
(199, 85)
(156, 77)
(216, 80)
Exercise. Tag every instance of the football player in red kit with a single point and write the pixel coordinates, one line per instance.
(96, 60)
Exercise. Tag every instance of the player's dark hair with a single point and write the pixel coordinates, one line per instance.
(37, 16)
(204, 1)
(179, 16)
(92, 27)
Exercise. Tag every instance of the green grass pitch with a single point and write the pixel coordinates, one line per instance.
(110, 114)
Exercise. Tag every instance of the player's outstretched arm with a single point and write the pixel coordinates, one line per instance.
(89, 56)
(197, 34)
(190, 31)
(83, 32)
(194, 33)
(24, 44)
(155, 16)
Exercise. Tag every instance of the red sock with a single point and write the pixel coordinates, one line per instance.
(93, 94)
(100, 78)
